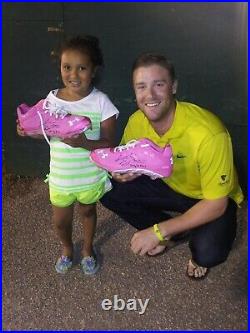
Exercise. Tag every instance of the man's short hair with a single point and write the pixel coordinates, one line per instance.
(148, 59)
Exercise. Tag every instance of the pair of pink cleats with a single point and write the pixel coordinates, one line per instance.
(43, 118)
(138, 157)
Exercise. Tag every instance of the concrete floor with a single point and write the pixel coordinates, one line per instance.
(35, 297)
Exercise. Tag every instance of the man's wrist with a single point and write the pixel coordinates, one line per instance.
(163, 239)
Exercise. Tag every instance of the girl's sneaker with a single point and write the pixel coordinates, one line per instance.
(63, 265)
(89, 265)
(44, 118)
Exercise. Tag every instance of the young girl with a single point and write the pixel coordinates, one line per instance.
(73, 177)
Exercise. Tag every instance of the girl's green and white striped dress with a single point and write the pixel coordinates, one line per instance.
(71, 169)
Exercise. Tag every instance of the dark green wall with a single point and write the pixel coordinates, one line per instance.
(206, 41)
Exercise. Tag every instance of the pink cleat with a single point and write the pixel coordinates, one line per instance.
(137, 156)
(45, 119)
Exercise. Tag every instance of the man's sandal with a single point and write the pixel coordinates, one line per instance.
(195, 271)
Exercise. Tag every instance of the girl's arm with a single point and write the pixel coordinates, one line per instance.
(107, 138)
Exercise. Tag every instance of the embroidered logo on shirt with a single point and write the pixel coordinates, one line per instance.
(180, 155)
(223, 179)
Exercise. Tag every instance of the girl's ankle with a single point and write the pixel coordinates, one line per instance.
(67, 252)
(87, 252)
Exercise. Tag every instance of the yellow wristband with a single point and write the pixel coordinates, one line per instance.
(158, 233)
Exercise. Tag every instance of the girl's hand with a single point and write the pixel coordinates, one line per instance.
(19, 129)
(21, 132)
(76, 141)
(124, 177)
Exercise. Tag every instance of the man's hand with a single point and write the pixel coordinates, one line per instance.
(124, 177)
(144, 241)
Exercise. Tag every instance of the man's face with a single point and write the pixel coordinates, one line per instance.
(154, 91)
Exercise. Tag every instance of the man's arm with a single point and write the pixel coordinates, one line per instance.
(201, 213)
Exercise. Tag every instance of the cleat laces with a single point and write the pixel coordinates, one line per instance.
(130, 144)
(53, 110)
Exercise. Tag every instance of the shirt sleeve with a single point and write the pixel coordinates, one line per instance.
(130, 132)
(135, 128)
(215, 163)
(108, 108)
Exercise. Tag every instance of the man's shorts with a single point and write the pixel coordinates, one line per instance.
(65, 199)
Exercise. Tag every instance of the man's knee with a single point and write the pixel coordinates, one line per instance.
(210, 257)
(108, 200)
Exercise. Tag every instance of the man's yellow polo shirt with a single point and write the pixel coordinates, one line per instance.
(202, 149)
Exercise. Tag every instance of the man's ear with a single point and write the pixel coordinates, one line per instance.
(174, 87)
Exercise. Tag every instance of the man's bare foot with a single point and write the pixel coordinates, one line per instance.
(195, 271)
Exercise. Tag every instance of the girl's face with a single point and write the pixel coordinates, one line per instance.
(77, 73)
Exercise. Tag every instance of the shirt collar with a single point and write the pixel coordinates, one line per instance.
(179, 124)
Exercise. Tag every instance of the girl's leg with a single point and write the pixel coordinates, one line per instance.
(62, 220)
(89, 263)
(88, 216)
